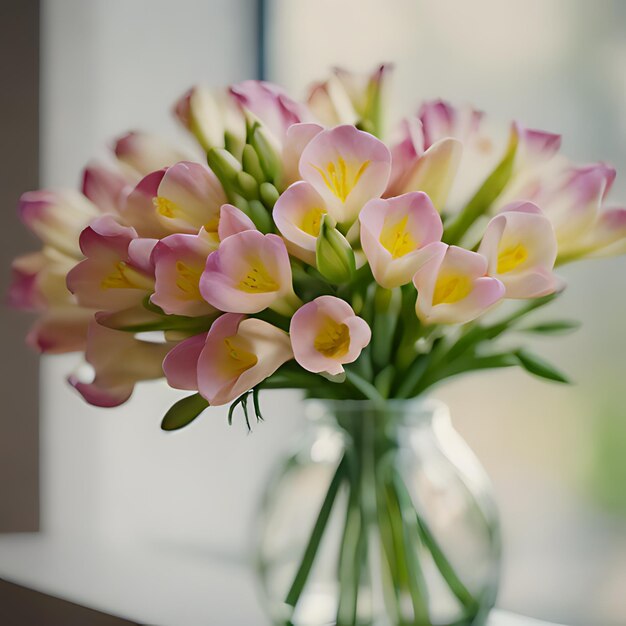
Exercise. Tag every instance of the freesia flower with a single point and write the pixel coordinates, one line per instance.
(298, 214)
(395, 235)
(249, 272)
(296, 140)
(106, 187)
(179, 261)
(116, 273)
(347, 98)
(233, 221)
(57, 217)
(142, 153)
(233, 357)
(520, 248)
(347, 167)
(269, 103)
(573, 198)
(430, 170)
(453, 288)
(326, 334)
(38, 284)
(182, 198)
(119, 361)
(209, 114)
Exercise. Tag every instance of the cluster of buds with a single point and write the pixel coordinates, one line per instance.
(301, 250)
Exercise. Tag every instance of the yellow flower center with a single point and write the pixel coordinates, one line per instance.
(333, 339)
(511, 257)
(239, 359)
(125, 277)
(312, 221)
(188, 280)
(341, 178)
(257, 280)
(396, 239)
(451, 288)
(166, 207)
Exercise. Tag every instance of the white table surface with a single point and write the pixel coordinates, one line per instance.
(155, 584)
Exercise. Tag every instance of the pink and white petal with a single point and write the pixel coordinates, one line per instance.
(100, 396)
(196, 194)
(233, 221)
(144, 153)
(180, 365)
(105, 187)
(532, 283)
(290, 212)
(140, 254)
(60, 330)
(434, 172)
(272, 348)
(296, 139)
(179, 262)
(139, 210)
(57, 217)
(367, 167)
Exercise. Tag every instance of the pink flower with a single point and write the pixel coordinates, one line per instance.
(233, 357)
(346, 97)
(181, 198)
(142, 153)
(119, 361)
(248, 273)
(452, 287)
(347, 167)
(326, 334)
(179, 261)
(209, 114)
(106, 187)
(432, 171)
(57, 217)
(60, 330)
(297, 138)
(520, 248)
(395, 235)
(276, 110)
(117, 273)
(298, 214)
(233, 221)
(573, 198)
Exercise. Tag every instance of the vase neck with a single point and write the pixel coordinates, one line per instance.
(380, 421)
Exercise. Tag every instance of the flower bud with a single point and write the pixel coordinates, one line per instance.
(333, 254)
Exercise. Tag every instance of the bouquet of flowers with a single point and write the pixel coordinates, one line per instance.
(302, 247)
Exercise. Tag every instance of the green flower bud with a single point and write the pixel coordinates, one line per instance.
(251, 164)
(268, 158)
(226, 167)
(269, 194)
(260, 216)
(333, 254)
(248, 187)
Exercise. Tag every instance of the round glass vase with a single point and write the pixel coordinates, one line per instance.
(383, 516)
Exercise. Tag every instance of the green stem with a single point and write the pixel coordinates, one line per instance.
(352, 545)
(407, 541)
(447, 571)
(316, 536)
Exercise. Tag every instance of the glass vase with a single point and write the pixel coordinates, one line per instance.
(382, 516)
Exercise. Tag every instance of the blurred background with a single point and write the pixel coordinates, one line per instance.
(79, 72)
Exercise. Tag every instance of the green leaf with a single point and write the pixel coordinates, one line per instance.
(183, 412)
(553, 328)
(537, 366)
